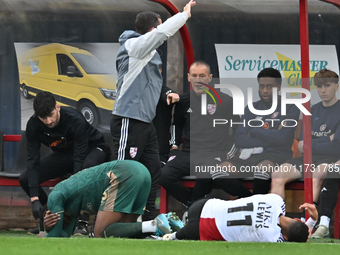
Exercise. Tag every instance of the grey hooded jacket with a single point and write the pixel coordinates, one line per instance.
(139, 81)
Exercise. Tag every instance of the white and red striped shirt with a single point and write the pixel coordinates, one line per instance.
(251, 219)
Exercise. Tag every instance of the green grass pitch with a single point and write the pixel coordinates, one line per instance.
(17, 242)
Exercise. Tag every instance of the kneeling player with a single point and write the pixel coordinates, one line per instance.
(259, 218)
(116, 191)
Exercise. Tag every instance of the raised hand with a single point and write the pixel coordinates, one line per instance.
(187, 8)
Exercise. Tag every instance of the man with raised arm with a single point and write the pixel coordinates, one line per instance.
(139, 86)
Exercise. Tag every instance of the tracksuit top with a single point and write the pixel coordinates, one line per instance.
(273, 138)
(197, 130)
(139, 80)
(325, 121)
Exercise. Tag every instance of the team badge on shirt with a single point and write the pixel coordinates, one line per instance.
(274, 115)
(211, 109)
(171, 158)
(133, 151)
(323, 127)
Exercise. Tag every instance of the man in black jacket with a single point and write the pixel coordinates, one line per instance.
(203, 144)
(76, 145)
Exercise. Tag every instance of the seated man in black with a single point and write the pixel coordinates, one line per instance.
(202, 144)
(265, 141)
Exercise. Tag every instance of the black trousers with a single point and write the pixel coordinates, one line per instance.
(59, 164)
(137, 140)
(191, 230)
(329, 193)
(183, 164)
(178, 166)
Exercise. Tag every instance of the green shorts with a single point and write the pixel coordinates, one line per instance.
(128, 195)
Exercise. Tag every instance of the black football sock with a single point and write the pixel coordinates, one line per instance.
(329, 197)
(124, 230)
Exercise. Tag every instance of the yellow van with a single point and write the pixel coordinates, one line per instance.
(75, 76)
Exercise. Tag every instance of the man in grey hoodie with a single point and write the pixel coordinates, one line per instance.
(139, 87)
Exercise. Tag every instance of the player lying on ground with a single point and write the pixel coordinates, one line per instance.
(259, 218)
(116, 191)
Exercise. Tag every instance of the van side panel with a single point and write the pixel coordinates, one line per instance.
(45, 68)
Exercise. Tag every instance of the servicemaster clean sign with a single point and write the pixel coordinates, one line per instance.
(238, 63)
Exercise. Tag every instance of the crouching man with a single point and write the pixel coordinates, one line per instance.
(116, 191)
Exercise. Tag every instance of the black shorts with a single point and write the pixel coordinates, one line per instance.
(191, 230)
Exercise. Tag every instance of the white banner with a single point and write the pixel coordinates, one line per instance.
(247, 60)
